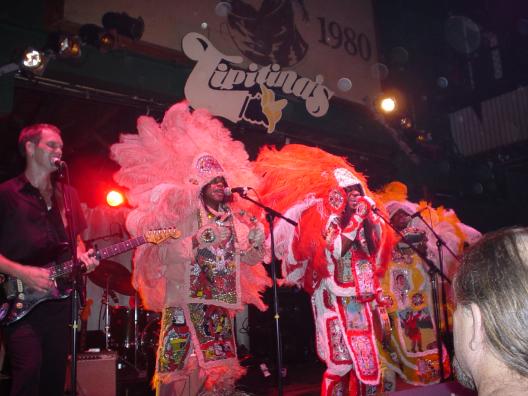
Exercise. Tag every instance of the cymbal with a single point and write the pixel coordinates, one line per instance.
(114, 275)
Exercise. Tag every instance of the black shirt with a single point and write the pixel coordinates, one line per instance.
(29, 231)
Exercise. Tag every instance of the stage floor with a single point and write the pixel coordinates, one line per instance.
(302, 379)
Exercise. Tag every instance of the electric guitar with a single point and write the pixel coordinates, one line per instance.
(17, 299)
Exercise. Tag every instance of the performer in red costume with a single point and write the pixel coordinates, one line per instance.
(337, 253)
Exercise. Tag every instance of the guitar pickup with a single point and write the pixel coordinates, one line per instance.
(10, 288)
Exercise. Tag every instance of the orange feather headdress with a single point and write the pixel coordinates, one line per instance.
(308, 185)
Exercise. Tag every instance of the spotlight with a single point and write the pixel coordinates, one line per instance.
(34, 61)
(406, 122)
(65, 45)
(106, 41)
(423, 136)
(97, 37)
(114, 198)
(124, 24)
(387, 105)
(69, 47)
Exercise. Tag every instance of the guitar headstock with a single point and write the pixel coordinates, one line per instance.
(161, 235)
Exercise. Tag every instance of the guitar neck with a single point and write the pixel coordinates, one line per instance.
(104, 253)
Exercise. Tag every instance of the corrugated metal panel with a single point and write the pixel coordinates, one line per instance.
(504, 121)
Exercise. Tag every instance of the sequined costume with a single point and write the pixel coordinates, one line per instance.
(200, 280)
(336, 253)
(411, 350)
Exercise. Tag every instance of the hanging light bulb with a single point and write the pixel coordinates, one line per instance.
(387, 105)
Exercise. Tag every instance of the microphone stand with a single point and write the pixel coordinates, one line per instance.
(77, 298)
(433, 272)
(439, 244)
(271, 214)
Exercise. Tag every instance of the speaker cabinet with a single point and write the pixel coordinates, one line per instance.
(96, 374)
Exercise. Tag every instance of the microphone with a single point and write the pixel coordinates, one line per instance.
(59, 164)
(416, 214)
(239, 190)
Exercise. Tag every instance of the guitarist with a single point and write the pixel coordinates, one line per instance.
(32, 221)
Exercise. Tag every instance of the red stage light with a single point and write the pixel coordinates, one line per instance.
(114, 198)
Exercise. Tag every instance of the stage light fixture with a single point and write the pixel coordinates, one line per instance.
(124, 24)
(114, 198)
(34, 61)
(106, 41)
(64, 45)
(423, 136)
(69, 46)
(406, 122)
(97, 37)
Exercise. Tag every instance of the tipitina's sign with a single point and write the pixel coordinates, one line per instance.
(246, 95)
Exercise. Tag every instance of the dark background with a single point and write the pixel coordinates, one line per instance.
(426, 64)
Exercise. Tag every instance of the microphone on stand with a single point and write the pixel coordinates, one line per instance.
(239, 190)
(416, 214)
(59, 164)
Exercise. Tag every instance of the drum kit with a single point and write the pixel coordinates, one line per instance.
(131, 331)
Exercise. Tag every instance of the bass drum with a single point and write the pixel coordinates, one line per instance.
(148, 344)
(121, 328)
(124, 325)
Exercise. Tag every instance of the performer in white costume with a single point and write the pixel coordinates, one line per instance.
(177, 173)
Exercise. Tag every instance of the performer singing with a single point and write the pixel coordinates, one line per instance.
(32, 224)
(178, 173)
(337, 253)
(411, 351)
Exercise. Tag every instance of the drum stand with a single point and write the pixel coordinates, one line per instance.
(105, 302)
(131, 341)
(135, 340)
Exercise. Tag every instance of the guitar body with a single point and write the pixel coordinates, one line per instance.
(17, 299)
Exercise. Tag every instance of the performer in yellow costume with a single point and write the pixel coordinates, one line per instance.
(411, 350)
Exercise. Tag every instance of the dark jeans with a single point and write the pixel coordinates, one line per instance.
(37, 347)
